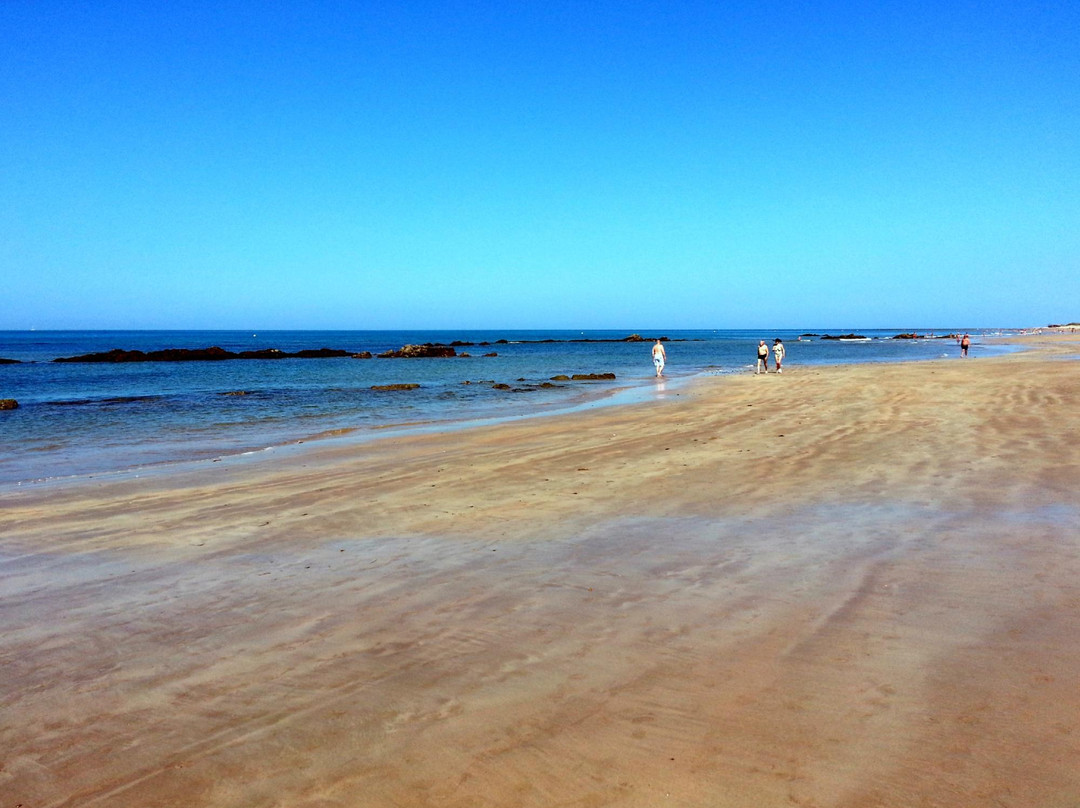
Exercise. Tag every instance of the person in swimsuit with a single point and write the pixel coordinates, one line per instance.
(762, 357)
(778, 353)
(659, 358)
(965, 343)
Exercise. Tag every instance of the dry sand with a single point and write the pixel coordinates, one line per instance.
(847, 586)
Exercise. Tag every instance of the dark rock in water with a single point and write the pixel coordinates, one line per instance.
(592, 377)
(264, 353)
(9, 361)
(634, 338)
(465, 354)
(307, 353)
(845, 336)
(166, 355)
(809, 335)
(906, 336)
(546, 385)
(501, 386)
(8, 404)
(236, 393)
(362, 355)
(214, 353)
(425, 351)
(562, 377)
(318, 353)
(489, 355)
(394, 386)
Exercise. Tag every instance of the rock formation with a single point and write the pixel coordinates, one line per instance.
(425, 351)
(213, 353)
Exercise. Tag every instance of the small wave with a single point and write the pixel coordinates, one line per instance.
(333, 433)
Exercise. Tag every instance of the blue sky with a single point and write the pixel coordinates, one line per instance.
(540, 165)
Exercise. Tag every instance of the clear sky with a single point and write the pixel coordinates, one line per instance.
(551, 164)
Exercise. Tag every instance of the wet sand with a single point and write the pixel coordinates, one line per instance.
(842, 586)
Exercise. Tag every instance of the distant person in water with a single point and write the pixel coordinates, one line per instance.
(965, 343)
(762, 357)
(659, 358)
(778, 353)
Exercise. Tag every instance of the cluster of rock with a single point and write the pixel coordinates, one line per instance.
(426, 351)
(215, 353)
(199, 355)
(584, 377)
(913, 335)
(9, 361)
(577, 377)
(494, 385)
(906, 335)
(8, 404)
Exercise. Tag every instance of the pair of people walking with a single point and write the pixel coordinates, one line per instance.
(763, 356)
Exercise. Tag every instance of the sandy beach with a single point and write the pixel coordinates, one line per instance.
(839, 586)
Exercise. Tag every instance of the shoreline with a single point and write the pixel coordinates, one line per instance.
(624, 394)
(845, 585)
(630, 390)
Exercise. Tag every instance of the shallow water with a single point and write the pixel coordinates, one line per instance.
(76, 418)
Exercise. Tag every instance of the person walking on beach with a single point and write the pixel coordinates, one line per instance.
(778, 353)
(762, 357)
(965, 343)
(659, 358)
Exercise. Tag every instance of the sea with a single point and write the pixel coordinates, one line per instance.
(87, 419)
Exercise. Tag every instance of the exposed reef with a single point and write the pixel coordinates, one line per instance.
(199, 355)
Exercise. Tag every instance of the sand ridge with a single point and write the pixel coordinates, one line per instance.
(840, 586)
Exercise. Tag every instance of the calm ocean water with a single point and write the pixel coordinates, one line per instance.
(78, 419)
